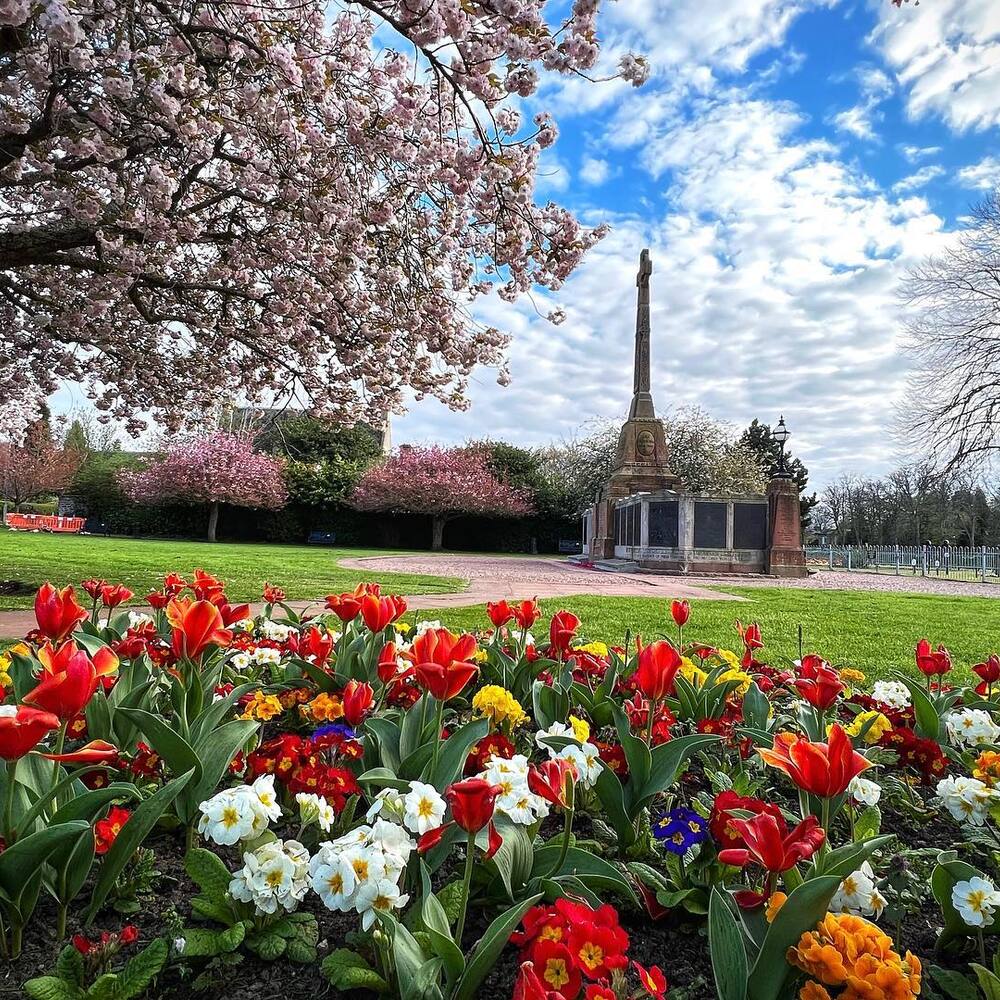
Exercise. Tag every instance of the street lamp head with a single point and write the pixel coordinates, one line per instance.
(781, 433)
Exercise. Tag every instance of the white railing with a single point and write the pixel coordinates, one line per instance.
(950, 562)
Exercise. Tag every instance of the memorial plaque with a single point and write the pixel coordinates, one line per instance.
(618, 525)
(663, 523)
(749, 526)
(634, 523)
(710, 525)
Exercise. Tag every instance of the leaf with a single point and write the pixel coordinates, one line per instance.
(200, 942)
(439, 931)
(868, 824)
(804, 909)
(141, 969)
(29, 853)
(488, 948)
(69, 965)
(586, 866)
(267, 945)
(954, 984)
(215, 752)
(728, 951)
(51, 988)
(385, 738)
(514, 858)
(849, 858)
(927, 719)
(667, 760)
(450, 897)
(171, 746)
(133, 833)
(636, 752)
(346, 971)
(988, 981)
(455, 750)
(943, 880)
(209, 872)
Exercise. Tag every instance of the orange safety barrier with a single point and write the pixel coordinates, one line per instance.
(45, 522)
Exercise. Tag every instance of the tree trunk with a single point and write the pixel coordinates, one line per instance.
(213, 519)
(437, 533)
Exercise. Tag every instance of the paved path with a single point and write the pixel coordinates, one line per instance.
(491, 578)
(494, 577)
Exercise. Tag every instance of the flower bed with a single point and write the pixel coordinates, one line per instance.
(195, 799)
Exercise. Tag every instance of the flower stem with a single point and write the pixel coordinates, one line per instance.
(8, 804)
(60, 745)
(437, 737)
(470, 855)
(566, 838)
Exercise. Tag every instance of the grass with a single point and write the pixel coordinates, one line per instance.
(873, 632)
(304, 571)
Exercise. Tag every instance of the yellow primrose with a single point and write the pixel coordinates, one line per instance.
(499, 705)
(263, 707)
(880, 725)
(599, 649)
(581, 729)
(741, 676)
(728, 656)
(691, 672)
(403, 628)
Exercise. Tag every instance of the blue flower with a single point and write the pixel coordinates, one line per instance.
(680, 829)
(334, 729)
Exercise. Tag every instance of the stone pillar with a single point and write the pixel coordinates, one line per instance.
(785, 556)
(602, 528)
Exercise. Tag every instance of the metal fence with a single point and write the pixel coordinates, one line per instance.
(952, 562)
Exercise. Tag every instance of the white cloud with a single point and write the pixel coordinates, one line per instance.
(985, 174)
(553, 174)
(594, 170)
(776, 267)
(914, 154)
(946, 55)
(918, 179)
(856, 120)
(860, 120)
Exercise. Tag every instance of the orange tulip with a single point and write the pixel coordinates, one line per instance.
(69, 678)
(824, 769)
(95, 752)
(57, 612)
(196, 626)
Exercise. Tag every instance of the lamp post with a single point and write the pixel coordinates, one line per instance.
(781, 434)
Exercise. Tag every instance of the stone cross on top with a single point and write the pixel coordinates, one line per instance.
(642, 401)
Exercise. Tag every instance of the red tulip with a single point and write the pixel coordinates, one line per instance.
(157, 599)
(988, 673)
(273, 595)
(388, 663)
(658, 666)
(750, 634)
(21, 729)
(93, 588)
(931, 662)
(824, 769)
(472, 803)
(196, 626)
(440, 661)
(357, 698)
(561, 631)
(316, 645)
(207, 587)
(69, 678)
(680, 611)
(346, 607)
(818, 682)
(770, 843)
(499, 612)
(95, 752)
(378, 612)
(173, 584)
(57, 612)
(232, 612)
(527, 613)
(553, 781)
(114, 594)
(721, 820)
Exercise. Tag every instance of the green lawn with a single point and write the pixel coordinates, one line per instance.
(304, 571)
(872, 632)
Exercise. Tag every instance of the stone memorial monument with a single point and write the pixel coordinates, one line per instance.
(644, 518)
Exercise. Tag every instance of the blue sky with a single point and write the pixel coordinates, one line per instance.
(786, 163)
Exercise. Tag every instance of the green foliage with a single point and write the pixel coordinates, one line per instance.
(69, 982)
(347, 970)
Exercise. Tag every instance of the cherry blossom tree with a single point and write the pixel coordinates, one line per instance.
(443, 483)
(220, 468)
(35, 465)
(265, 201)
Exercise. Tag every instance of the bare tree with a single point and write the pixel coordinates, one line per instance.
(953, 408)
